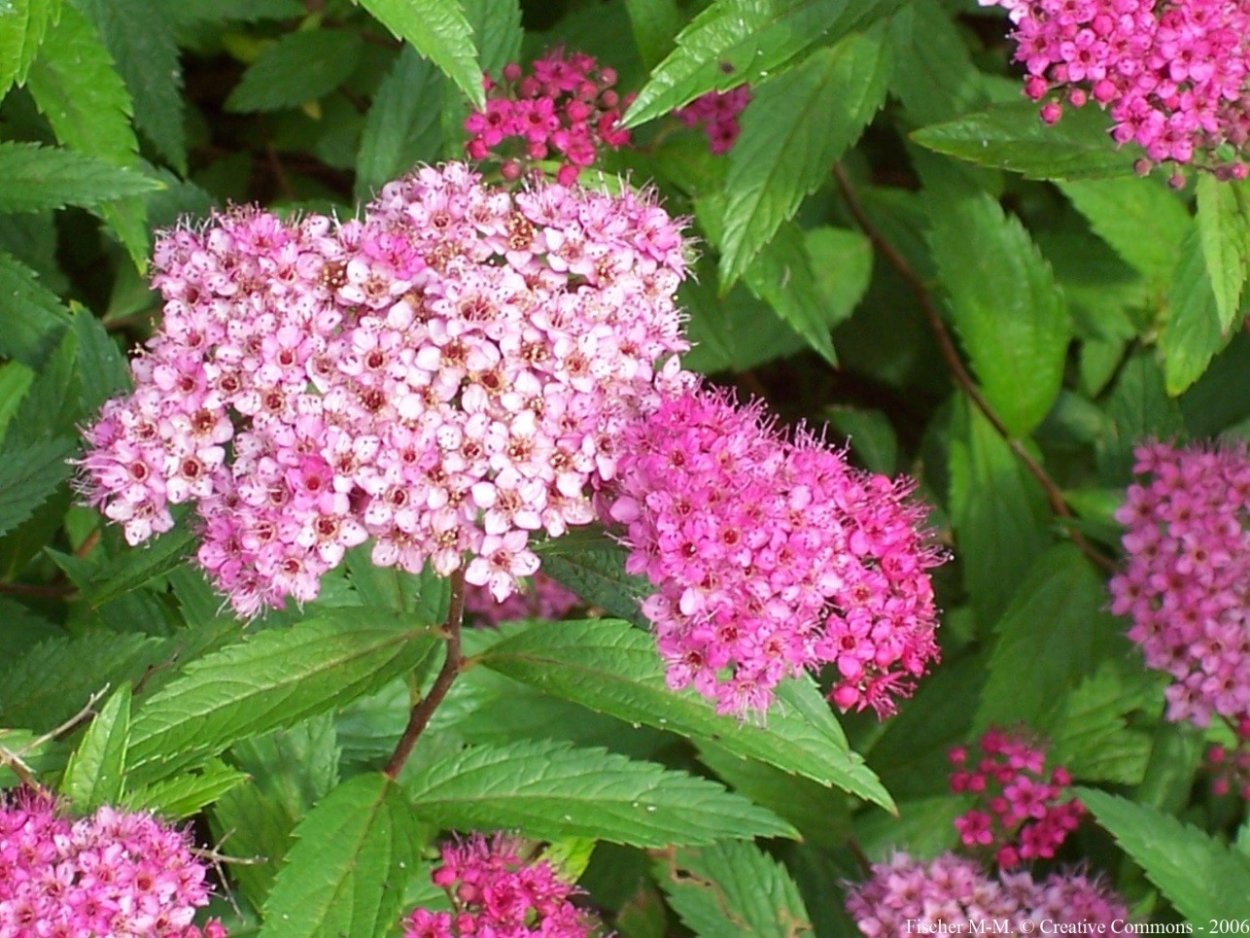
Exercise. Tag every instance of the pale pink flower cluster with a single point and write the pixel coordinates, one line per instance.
(567, 109)
(1186, 584)
(717, 113)
(496, 892)
(951, 895)
(771, 557)
(1020, 814)
(111, 875)
(448, 376)
(1173, 75)
(540, 597)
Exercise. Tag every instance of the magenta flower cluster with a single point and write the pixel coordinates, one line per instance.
(950, 894)
(717, 113)
(1173, 75)
(496, 893)
(447, 376)
(566, 109)
(771, 557)
(111, 875)
(538, 598)
(1186, 583)
(1019, 815)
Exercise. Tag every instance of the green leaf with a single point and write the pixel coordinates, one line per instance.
(1138, 408)
(736, 332)
(997, 510)
(141, 39)
(102, 368)
(426, 594)
(301, 66)
(933, 73)
(1119, 210)
(497, 32)
(841, 262)
(611, 668)
(34, 319)
(52, 681)
(798, 125)
(95, 774)
(655, 24)
(731, 889)
(1192, 334)
(77, 88)
(731, 42)
(1032, 667)
(23, 25)
(38, 178)
(781, 275)
(402, 127)
(1201, 877)
(272, 679)
(1011, 136)
(29, 475)
(870, 436)
(598, 576)
(551, 790)
(1010, 315)
(438, 30)
(185, 795)
(1224, 229)
(346, 874)
(1089, 732)
(135, 567)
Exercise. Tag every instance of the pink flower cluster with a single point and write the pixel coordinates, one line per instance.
(1019, 814)
(1173, 75)
(950, 894)
(111, 875)
(717, 113)
(539, 598)
(448, 375)
(1186, 585)
(496, 893)
(566, 109)
(771, 557)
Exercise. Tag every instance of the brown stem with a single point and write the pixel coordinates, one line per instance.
(31, 589)
(860, 857)
(425, 707)
(950, 355)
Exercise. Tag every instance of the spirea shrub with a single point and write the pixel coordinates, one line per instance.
(780, 385)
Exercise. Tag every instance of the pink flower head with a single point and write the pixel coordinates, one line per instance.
(448, 376)
(1019, 814)
(949, 894)
(772, 556)
(495, 890)
(565, 110)
(112, 873)
(1186, 583)
(1173, 75)
(717, 112)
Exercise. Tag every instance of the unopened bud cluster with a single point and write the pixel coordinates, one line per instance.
(496, 893)
(717, 112)
(567, 109)
(1020, 813)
